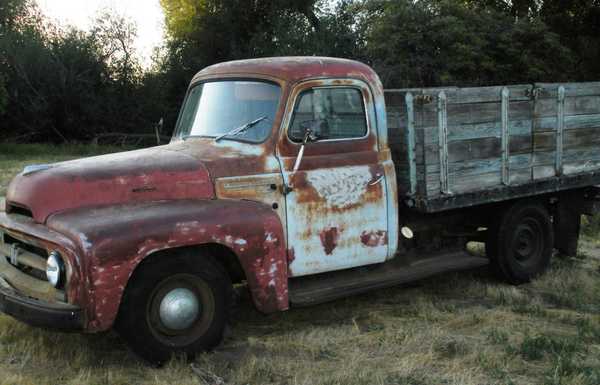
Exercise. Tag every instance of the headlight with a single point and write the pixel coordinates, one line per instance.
(55, 269)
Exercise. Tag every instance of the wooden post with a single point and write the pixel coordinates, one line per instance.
(443, 141)
(505, 137)
(560, 126)
(410, 133)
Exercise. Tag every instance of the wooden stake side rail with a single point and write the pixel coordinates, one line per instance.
(459, 147)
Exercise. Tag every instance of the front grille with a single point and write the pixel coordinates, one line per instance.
(25, 246)
(30, 259)
(23, 267)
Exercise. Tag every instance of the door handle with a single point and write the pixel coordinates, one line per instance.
(377, 181)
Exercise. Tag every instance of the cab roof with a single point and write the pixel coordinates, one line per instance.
(290, 68)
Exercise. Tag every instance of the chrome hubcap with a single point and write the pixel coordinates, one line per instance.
(179, 309)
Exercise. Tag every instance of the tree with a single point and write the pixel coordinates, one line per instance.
(443, 42)
(114, 37)
(10, 13)
(68, 85)
(577, 22)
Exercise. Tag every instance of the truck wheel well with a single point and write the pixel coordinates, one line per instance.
(222, 254)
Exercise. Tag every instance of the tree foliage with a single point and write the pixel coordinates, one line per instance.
(67, 85)
(433, 42)
(64, 84)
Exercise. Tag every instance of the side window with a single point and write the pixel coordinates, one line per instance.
(332, 113)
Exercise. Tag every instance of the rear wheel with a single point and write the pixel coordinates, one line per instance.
(175, 305)
(520, 242)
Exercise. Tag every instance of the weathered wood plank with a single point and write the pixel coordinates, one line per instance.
(542, 163)
(463, 95)
(474, 149)
(485, 165)
(480, 130)
(579, 167)
(463, 183)
(582, 137)
(541, 172)
(571, 122)
(520, 176)
(572, 139)
(577, 105)
(519, 144)
(522, 141)
(550, 90)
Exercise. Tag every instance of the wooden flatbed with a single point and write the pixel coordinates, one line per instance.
(461, 147)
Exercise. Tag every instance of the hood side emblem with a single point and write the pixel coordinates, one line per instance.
(32, 168)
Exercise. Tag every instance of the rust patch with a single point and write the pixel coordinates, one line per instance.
(329, 239)
(291, 255)
(342, 82)
(143, 189)
(374, 238)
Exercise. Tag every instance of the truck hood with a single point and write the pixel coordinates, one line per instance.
(150, 174)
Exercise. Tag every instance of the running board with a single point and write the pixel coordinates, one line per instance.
(315, 289)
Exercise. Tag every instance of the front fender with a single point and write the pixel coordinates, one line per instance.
(113, 240)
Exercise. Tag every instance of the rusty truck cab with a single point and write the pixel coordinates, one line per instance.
(338, 206)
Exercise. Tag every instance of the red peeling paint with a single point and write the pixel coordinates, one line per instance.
(135, 176)
(113, 240)
(374, 238)
(329, 239)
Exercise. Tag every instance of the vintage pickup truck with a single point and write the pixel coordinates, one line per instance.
(289, 175)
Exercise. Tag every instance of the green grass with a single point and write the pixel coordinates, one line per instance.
(13, 157)
(463, 328)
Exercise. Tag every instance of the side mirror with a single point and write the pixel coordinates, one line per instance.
(309, 136)
(319, 128)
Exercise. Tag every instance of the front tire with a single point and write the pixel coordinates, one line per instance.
(520, 242)
(175, 305)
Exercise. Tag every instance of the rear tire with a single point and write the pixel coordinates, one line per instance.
(175, 305)
(520, 242)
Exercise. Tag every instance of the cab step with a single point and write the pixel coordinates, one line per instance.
(315, 289)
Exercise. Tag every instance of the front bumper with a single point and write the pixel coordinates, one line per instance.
(25, 296)
(38, 313)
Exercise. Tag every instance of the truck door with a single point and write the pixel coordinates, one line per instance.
(336, 199)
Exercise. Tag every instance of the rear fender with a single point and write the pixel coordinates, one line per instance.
(113, 240)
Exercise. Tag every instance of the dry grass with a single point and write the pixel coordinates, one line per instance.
(464, 328)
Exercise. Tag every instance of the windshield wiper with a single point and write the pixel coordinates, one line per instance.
(240, 129)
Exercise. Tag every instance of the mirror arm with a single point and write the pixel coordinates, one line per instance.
(308, 136)
(298, 159)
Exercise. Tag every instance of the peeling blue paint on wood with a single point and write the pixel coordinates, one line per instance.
(505, 136)
(443, 142)
(411, 143)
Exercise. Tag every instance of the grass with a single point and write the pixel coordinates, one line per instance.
(14, 157)
(463, 328)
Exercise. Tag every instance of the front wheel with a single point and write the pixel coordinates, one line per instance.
(520, 242)
(175, 305)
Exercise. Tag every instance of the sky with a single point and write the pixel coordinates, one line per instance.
(146, 14)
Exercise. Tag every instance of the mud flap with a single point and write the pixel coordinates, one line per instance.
(567, 223)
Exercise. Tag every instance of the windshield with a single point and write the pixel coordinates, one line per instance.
(213, 109)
